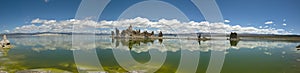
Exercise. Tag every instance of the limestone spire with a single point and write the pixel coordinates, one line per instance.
(130, 27)
(5, 40)
(4, 37)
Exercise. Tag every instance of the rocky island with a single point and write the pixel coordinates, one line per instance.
(135, 34)
(233, 36)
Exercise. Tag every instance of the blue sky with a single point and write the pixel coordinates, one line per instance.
(254, 13)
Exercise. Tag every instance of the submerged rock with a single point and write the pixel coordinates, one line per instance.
(44, 70)
(3, 71)
(34, 71)
(137, 71)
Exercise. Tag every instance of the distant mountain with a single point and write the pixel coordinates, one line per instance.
(63, 33)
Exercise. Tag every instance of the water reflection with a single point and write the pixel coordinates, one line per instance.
(234, 43)
(4, 51)
(102, 42)
(32, 52)
(133, 42)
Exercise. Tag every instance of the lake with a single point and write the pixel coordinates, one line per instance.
(103, 54)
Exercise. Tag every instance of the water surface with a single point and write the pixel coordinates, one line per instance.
(55, 54)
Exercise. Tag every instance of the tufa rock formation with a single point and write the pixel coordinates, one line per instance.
(233, 36)
(160, 34)
(5, 42)
(130, 33)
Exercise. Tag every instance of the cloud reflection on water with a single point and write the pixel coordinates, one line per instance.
(173, 45)
(45, 43)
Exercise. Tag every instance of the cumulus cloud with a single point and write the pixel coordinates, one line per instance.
(38, 21)
(164, 25)
(226, 21)
(269, 22)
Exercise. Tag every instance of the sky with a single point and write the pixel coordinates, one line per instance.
(244, 16)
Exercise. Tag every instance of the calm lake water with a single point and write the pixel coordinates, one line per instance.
(56, 54)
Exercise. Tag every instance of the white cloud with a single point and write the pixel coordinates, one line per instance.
(266, 26)
(284, 20)
(269, 22)
(226, 21)
(38, 21)
(7, 31)
(46, 1)
(284, 24)
(166, 26)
